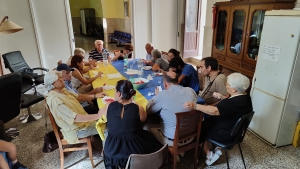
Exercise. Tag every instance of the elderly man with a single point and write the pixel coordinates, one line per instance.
(149, 59)
(167, 103)
(214, 80)
(69, 115)
(91, 107)
(97, 53)
(158, 61)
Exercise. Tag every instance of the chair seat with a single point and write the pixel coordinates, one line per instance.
(39, 79)
(30, 100)
(225, 145)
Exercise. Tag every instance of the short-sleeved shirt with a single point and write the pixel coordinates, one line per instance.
(149, 57)
(64, 107)
(94, 54)
(219, 85)
(230, 109)
(163, 63)
(167, 103)
(191, 78)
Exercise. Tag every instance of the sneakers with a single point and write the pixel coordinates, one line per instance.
(18, 165)
(212, 158)
(218, 151)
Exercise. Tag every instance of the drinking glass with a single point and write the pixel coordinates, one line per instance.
(140, 63)
(140, 72)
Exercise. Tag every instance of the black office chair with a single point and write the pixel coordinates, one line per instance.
(15, 62)
(238, 132)
(10, 89)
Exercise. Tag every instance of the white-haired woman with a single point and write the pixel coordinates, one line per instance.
(225, 114)
(69, 115)
(159, 62)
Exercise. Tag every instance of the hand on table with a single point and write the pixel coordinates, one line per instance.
(99, 74)
(100, 95)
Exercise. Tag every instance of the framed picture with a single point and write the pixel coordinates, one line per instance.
(126, 9)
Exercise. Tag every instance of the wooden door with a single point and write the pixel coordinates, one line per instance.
(253, 35)
(237, 32)
(191, 30)
(220, 34)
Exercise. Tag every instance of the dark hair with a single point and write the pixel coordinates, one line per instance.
(76, 59)
(174, 52)
(169, 79)
(175, 62)
(212, 62)
(126, 88)
(129, 47)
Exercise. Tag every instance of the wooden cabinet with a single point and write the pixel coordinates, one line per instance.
(237, 32)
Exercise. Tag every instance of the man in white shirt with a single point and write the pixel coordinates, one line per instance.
(149, 59)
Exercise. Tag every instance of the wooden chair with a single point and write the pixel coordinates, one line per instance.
(63, 144)
(188, 125)
(148, 161)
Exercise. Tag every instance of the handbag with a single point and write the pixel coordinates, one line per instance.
(50, 142)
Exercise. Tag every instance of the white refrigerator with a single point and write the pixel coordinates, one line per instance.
(275, 88)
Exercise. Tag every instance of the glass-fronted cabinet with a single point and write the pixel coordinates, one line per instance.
(237, 32)
(238, 26)
(253, 36)
(221, 30)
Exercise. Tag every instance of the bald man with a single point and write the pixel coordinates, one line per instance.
(167, 103)
(97, 53)
(149, 59)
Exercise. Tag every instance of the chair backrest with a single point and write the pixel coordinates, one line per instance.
(148, 161)
(14, 61)
(56, 130)
(10, 89)
(240, 127)
(188, 125)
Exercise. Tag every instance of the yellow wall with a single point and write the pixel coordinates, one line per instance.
(98, 7)
(113, 8)
(103, 8)
(75, 6)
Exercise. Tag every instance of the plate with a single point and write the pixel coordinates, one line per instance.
(158, 74)
(107, 99)
(108, 87)
(147, 67)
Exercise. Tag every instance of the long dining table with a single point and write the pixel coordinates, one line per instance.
(142, 95)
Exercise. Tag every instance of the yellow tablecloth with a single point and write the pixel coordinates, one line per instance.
(139, 99)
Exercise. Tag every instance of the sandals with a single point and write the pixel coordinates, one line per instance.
(213, 157)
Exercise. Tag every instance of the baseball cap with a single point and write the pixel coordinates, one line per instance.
(64, 66)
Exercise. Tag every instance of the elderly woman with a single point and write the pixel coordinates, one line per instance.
(69, 115)
(225, 114)
(124, 126)
(159, 62)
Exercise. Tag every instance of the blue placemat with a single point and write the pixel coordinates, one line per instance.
(150, 87)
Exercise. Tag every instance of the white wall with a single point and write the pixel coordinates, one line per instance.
(45, 38)
(25, 40)
(164, 24)
(141, 21)
(51, 23)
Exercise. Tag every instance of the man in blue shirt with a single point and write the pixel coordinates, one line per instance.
(90, 106)
(188, 75)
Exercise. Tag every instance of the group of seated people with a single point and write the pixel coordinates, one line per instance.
(72, 101)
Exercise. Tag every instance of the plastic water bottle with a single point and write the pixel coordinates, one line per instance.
(140, 72)
(125, 62)
(131, 79)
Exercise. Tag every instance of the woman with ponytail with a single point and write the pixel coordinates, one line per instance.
(124, 127)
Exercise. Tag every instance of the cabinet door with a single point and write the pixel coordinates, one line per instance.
(253, 34)
(237, 28)
(221, 30)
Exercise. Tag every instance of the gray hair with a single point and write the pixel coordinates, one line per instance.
(78, 51)
(50, 78)
(238, 81)
(156, 53)
(98, 41)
